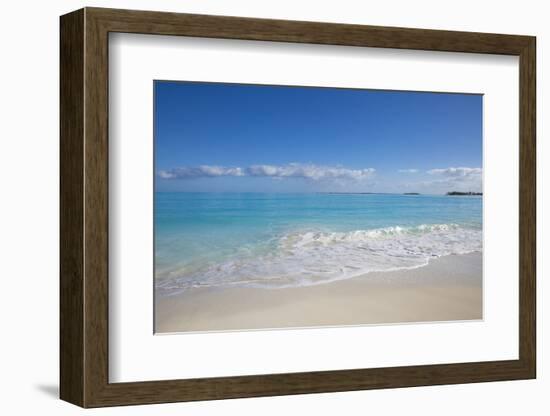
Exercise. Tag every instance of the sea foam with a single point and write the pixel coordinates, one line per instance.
(316, 257)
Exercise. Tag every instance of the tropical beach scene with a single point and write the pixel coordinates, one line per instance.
(279, 207)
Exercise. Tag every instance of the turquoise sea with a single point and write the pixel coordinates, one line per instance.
(276, 240)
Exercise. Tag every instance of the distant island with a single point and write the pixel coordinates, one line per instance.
(455, 193)
(355, 193)
(451, 193)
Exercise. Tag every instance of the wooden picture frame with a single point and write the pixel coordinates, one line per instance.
(84, 207)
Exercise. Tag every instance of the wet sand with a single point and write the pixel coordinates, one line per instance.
(448, 288)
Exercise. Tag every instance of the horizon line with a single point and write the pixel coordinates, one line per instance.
(318, 193)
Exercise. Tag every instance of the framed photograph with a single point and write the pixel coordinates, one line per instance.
(255, 207)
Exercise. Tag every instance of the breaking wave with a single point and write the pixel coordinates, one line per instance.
(315, 257)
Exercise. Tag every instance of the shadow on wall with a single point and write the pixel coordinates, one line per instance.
(51, 390)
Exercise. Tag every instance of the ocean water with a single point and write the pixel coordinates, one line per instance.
(283, 240)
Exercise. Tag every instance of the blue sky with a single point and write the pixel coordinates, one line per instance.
(215, 137)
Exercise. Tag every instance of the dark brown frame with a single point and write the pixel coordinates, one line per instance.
(84, 207)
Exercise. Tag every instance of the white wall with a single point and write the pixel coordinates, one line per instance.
(29, 207)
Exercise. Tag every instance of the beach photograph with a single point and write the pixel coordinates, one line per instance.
(279, 207)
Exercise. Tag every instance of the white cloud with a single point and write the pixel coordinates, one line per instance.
(313, 172)
(293, 170)
(457, 179)
(456, 172)
(408, 171)
(203, 171)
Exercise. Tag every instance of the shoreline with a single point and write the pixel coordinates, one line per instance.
(448, 288)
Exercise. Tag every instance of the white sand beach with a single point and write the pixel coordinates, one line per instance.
(448, 288)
